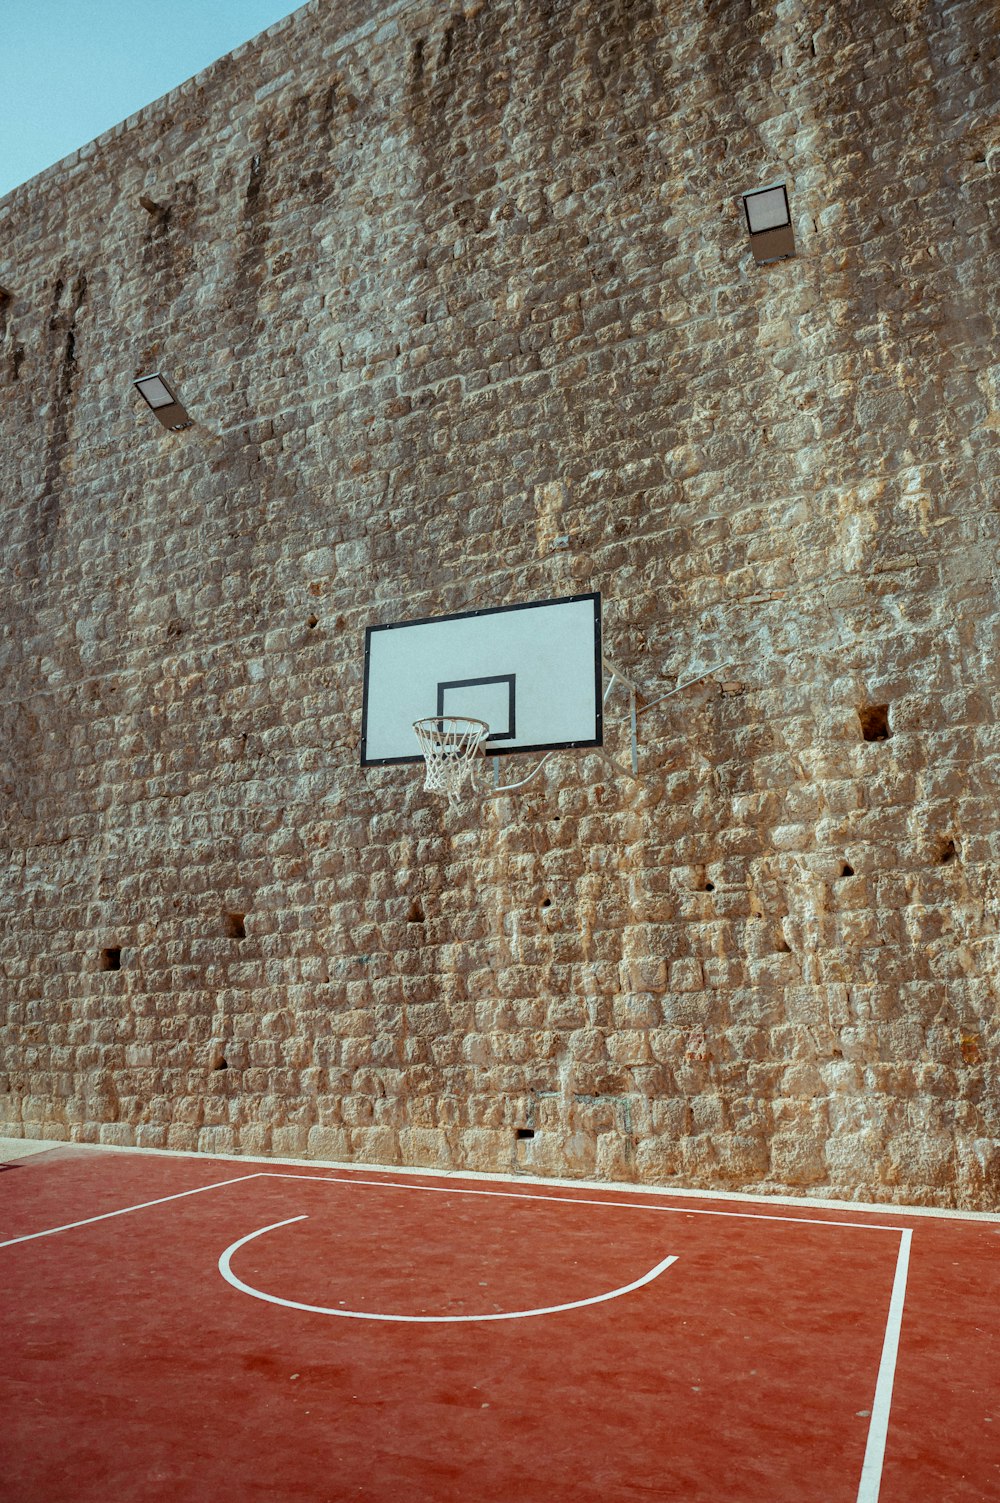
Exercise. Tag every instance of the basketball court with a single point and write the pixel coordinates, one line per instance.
(175, 1326)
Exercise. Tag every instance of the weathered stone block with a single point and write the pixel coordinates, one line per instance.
(216, 1140)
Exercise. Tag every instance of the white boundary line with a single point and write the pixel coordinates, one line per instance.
(581, 1200)
(878, 1429)
(383, 1184)
(871, 1474)
(225, 1269)
(805, 1202)
(69, 1226)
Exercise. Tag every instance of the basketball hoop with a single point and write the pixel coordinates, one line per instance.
(450, 744)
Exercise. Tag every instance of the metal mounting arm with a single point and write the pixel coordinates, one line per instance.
(618, 676)
(615, 675)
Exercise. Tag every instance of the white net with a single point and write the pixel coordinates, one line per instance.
(450, 744)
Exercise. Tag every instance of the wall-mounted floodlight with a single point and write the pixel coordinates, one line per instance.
(769, 221)
(157, 394)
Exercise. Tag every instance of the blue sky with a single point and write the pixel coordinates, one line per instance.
(70, 69)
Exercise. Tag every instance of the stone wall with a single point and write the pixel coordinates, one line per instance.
(462, 304)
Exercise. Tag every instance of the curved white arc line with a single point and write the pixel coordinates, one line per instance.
(225, 1268)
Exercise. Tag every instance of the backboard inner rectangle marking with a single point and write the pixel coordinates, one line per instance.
(491, 699)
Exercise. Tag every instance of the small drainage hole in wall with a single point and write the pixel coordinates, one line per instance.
(947, 851)
(312, 623)
(708, 887)
(875, 722)
(111, 959)
(416, 913)
(236, 925)
(221, 1064)
(546, 902)
(847, 870)
(524, 1132)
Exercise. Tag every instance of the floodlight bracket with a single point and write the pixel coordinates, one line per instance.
(773, 245)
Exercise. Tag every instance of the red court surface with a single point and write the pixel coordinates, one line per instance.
(193, 1329)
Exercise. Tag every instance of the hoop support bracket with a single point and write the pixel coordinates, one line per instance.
(614, 675)
(618, 676)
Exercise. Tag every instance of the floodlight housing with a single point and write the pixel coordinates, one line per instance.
(769, 223)
(162, 402)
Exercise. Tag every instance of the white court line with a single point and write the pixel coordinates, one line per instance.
(225, 1268)
(382, 1184)
(580, 1200)
(878, 1427)
(871, 1471)
(106, 1215)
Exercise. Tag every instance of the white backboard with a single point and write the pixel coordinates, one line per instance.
(532, 672)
